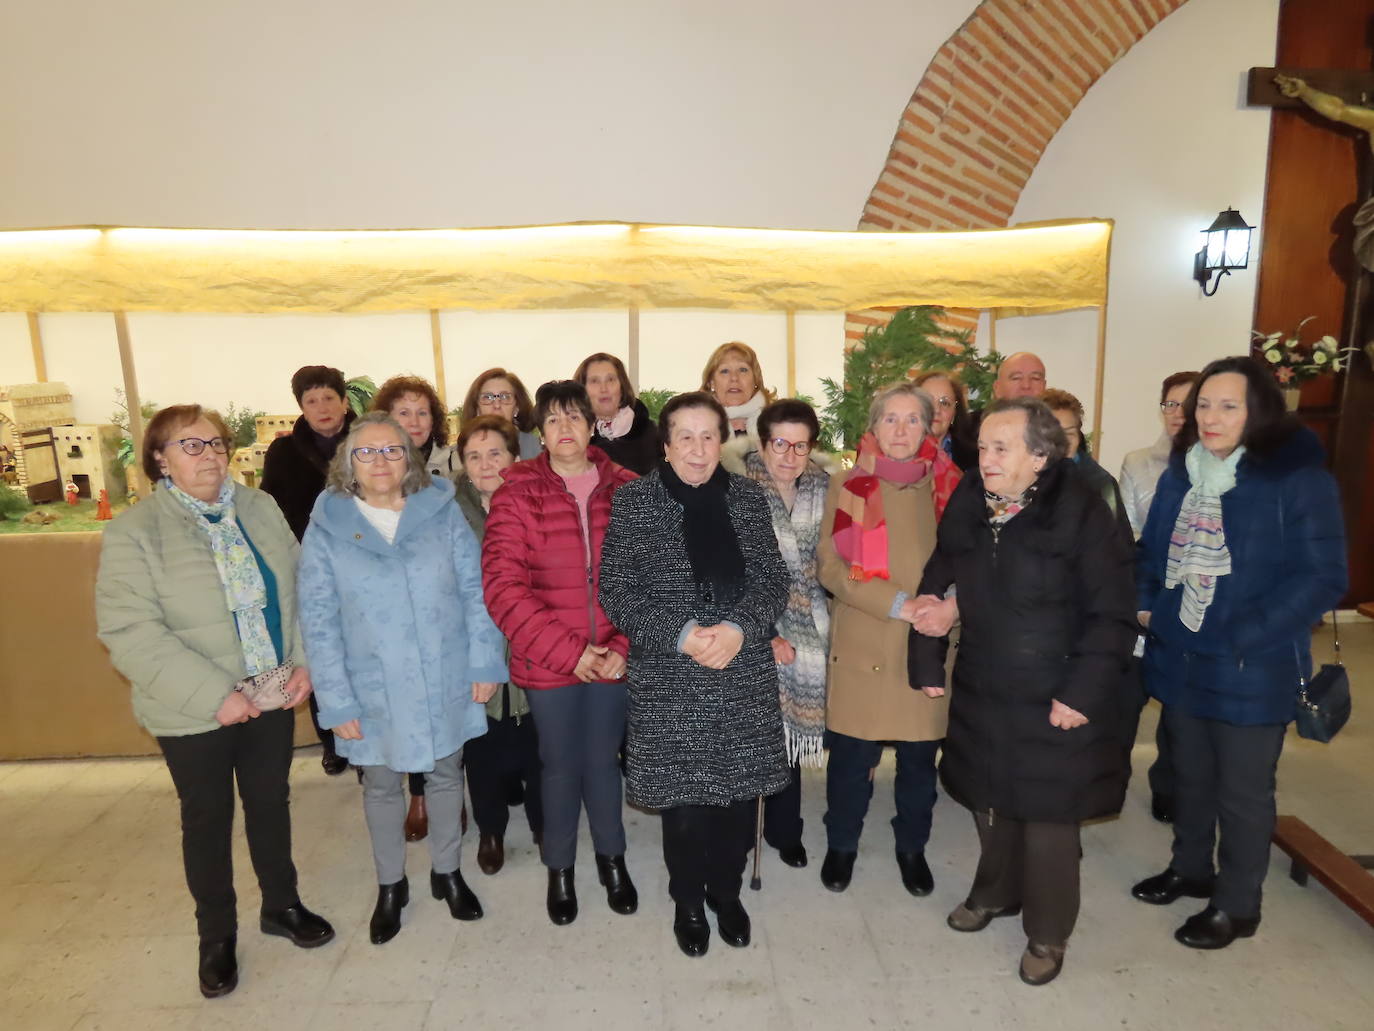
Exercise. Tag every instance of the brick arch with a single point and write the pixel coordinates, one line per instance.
(986, 108)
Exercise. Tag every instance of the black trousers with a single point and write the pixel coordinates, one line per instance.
(849, 789)
(204, 768)
(1225, 777)
(782, 819)
(1031, 865)
(509, 750)
(705, 848)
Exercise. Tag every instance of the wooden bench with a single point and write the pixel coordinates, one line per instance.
(1346, 877)
(1366, 608)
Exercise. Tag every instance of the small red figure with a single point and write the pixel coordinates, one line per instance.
(102, 508)
(73, 492)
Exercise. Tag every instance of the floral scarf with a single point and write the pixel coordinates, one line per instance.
(1197, 546)
(617, 425)
(245, 592)
(860, 530)
(805, 623)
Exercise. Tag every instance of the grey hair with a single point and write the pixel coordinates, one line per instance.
(341, 478)
(903, 389)
(1043, 436)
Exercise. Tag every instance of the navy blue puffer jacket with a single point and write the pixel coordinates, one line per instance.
(1287, 542)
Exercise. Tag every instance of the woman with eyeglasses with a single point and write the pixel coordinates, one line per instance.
(795, 478)
(500, 392)
(196, 592)
(951, 426)
(404, 654)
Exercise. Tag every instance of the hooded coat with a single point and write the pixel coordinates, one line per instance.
(1046, 607)
(1284, 531)
(396, 634)
(294, 471)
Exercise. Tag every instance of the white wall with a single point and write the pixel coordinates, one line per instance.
(1161, 144)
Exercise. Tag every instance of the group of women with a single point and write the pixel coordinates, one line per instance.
(686, 613)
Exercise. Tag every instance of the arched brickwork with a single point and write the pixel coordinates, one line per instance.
(989, 103)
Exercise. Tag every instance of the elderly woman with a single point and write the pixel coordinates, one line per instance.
(196, 601)
(541, 561)
(624, 428)
(876, 533)
(1034, 745)
(414, 404)
(952, 426)
(1242, 552)
(499, 392)
(795, 478)
(692, 574)
(508, 753)
(733, 376)
(403, 651)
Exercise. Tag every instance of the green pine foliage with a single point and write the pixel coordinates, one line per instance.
(655, 398)
(912, 341)
(242, 423)
(13, 504)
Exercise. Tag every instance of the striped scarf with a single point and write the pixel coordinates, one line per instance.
(1197, 547)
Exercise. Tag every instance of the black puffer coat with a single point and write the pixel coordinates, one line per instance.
(294, 471)
(639, 450)
(1048, 612)
(695, 736)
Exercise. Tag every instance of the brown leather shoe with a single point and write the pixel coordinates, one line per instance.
(1040, 964)
(491, 853)
(417, 820)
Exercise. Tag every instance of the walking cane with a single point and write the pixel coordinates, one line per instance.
(757, 882)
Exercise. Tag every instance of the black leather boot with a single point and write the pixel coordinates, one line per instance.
(916, 875)
(562, 900)
(621, 895)
(451, 887)
(386, 918)
(732, 921)
(219, 967)
(837, 869)
(691, 930)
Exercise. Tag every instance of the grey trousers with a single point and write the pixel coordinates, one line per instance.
(1031, 865)
(384, 806)
(580, 729)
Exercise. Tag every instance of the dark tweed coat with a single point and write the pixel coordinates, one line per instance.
(695, 736)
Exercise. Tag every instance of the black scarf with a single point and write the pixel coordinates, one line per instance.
(712, 544)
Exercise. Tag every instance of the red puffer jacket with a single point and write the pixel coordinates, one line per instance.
(538, 588)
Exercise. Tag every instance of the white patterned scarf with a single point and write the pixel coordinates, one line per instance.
(245, 592)
(805, 623)
(1197, 546)
(617, 425)
(748, 411)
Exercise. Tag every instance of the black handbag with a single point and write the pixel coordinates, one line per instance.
(1324, 703)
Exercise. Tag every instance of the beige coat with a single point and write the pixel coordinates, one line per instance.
(869, 695)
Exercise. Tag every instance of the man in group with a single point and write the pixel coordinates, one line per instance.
(1020, 375)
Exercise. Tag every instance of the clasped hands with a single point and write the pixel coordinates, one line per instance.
(238, 709)
(713, 646)
(930, 615)
(599, 663)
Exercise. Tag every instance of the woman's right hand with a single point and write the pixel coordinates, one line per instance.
(589, 665)
(783, 652)
(933, 692)
(1143, 618)
(236, 709)
(350, 731)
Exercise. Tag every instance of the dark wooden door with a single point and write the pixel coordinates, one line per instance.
(40, 466)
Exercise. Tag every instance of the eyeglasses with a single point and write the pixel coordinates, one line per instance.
(781, 447)
(1171, 406)
(944, 402)
(392, 453)
(490, 399)
(195, 446)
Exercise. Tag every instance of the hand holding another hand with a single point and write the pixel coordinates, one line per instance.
(719, 645)
(935, 616)
(236, 709)
(783, 652)
(589, 663)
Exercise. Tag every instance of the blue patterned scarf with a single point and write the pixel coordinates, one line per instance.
(244, 590)
(1197, 546)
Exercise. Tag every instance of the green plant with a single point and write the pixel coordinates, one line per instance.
(913, 339)
(124, 454)
(826, 441)
(242, 423)
(655, 398)
(12, 503)
(360, 390)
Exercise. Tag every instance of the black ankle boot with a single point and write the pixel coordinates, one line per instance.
(691, 930)
(219, 968)
(732, 921)
(562, 900)
(386, 918)
(451, 887)
(621, 895)
(837, 869)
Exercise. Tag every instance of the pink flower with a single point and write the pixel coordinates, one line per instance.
(1283, 374)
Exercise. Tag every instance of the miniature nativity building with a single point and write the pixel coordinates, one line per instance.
(42, 448)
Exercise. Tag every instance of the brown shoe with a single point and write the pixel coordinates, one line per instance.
(491, 853)
(970, 918)
(417, 820)
(1040, 964)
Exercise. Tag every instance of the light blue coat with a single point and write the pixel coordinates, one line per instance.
(396, 634)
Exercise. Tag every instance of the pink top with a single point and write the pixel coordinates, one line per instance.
(581, 487)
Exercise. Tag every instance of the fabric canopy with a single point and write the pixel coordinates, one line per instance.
(1028, 269)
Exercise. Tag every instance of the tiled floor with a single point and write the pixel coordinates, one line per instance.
(96, 928)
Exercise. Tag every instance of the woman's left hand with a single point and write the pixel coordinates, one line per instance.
(783, 652)
(724, 644)
(935, 616)
(483, 692)
(1063, 717)
(298, 686)
(611, 666)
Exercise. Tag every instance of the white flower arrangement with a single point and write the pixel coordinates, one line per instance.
(1293, 361)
